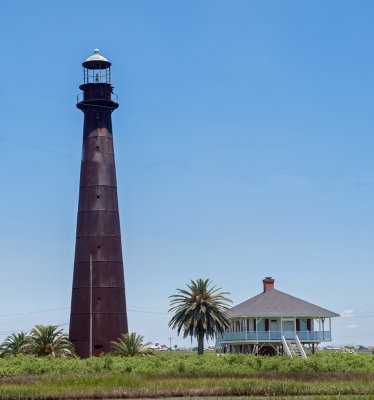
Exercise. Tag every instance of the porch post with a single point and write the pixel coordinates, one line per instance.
(255, 327)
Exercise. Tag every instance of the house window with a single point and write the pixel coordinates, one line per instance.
(303, 325)
(261, 325)
(266, 324)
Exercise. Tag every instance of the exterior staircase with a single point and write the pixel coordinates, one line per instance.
(293, 348)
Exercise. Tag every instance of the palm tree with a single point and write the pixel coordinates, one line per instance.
(200, 312)
(14, 344)
(45, 340)
(130, 345)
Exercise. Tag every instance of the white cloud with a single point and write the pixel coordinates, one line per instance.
(346, 314)
(352, 326)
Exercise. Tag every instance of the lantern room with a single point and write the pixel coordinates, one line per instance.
(96, 69)
(97, 88)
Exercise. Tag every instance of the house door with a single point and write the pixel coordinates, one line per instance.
(289, 329)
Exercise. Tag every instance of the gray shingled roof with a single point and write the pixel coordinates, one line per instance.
(274, 303)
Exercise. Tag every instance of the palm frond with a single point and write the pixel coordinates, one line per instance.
(45, 340)
(199, 310)
(130, 345)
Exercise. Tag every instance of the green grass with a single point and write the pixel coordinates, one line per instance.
(118, 386)
(183, 375)
(189, 364)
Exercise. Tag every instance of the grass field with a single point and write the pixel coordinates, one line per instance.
(120, 386)
(187, 375)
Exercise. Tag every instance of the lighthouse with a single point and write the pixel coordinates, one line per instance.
(98, 304)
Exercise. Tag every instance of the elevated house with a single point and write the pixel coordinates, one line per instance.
(274, 322)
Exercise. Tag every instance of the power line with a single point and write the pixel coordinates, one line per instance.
(369, 315)
(34, 312)
(147, 310)
(29, 329)
(140, 310)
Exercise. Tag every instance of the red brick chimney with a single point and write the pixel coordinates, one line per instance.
(268, 283)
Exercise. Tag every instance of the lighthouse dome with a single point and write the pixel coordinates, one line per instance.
(96, 61)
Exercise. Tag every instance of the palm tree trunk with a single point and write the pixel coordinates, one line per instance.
(200, 344)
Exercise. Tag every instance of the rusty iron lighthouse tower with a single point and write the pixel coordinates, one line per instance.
(98, 305)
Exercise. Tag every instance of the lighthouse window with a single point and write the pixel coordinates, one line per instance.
(98, 197)
(98, 147)
(98, 246)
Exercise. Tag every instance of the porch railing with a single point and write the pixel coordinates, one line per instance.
(304, 336)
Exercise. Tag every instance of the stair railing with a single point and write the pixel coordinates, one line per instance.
(285, 346)
(300, 347)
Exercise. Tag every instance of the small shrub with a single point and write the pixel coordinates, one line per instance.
(181, 367)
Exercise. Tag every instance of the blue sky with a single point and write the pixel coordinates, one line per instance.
(243, 141)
